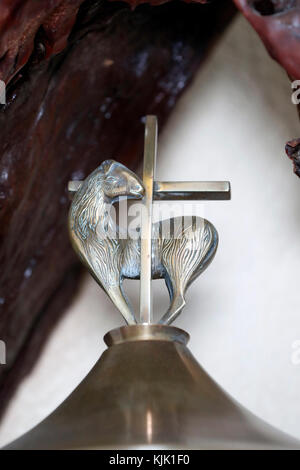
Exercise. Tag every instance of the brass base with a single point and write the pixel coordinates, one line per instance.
(148, 391)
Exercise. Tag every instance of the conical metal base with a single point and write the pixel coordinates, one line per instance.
(148, 391)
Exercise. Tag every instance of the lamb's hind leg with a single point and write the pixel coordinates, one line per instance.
(179, 258)
(177, 301)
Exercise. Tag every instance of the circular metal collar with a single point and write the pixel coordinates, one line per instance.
(146, 332)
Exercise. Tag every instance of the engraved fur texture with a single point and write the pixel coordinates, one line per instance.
(179, 254)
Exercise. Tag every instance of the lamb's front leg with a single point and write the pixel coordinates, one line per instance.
(120, 300)
(105, 258)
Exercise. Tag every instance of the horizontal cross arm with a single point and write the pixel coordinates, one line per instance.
(177, 190)
(192, 190)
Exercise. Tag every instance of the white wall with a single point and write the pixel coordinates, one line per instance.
(243, 314)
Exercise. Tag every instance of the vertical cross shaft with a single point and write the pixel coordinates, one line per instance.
(158, 190)
(150, 151)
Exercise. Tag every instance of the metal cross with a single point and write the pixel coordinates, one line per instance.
(161, 191)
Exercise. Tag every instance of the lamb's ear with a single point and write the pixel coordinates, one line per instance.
(106, 165)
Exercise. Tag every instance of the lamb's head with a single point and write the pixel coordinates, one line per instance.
(119, 181)
(97, 193)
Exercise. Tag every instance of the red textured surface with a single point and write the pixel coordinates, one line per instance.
(293, 152)
(278, 24)
(22, 20)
